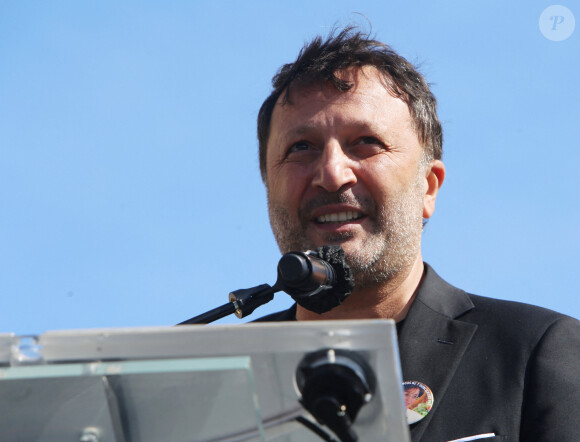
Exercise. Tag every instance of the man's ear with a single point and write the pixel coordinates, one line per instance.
(434, 177)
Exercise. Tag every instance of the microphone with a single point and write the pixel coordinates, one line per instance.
(317, 280)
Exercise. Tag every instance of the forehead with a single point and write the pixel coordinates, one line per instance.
(366, 82)
(369, 100)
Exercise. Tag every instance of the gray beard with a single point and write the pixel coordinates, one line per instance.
(391, 248)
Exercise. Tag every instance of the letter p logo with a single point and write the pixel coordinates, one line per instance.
(558, 20)
(557, 23)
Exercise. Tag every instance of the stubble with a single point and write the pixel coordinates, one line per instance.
(389, 249)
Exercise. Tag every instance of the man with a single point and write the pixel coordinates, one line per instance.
(350, 153)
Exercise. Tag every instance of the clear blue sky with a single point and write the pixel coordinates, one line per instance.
(129, 185)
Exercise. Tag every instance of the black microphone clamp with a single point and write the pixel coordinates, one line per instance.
(317, 280)
(304, 272)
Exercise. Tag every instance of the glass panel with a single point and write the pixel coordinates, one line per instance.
(153, 400)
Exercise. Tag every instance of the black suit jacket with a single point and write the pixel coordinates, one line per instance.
(493, 366)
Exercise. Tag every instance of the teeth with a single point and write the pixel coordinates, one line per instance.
(339, 217)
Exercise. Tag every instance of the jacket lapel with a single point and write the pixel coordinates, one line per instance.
(432, 342)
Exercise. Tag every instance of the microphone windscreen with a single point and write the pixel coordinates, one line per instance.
(325, 300)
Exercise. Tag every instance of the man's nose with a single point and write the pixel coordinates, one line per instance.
(334, 170)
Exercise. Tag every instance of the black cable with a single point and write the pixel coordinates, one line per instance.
(315, 429)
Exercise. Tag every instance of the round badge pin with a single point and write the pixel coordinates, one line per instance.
(418, 400)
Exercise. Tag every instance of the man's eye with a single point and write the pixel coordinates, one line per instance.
(368, 140)
(367, 146)
(300, 146)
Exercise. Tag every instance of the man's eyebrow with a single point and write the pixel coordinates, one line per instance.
(310, 127)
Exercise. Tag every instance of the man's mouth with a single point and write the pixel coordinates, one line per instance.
(339, 217)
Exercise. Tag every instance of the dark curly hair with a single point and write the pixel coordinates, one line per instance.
(319, 61)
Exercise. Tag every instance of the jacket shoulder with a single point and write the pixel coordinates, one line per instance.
(515, 317)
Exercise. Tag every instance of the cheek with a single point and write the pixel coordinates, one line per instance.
(377, 180)
(287, 185)
(386, 180)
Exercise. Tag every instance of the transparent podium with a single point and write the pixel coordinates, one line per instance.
(193, 383)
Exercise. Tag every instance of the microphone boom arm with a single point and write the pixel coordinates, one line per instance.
(317, 280)
(242, 302)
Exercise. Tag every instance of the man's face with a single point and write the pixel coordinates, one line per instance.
(345, 168)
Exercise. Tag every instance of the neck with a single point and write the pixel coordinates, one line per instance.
(390, 300)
